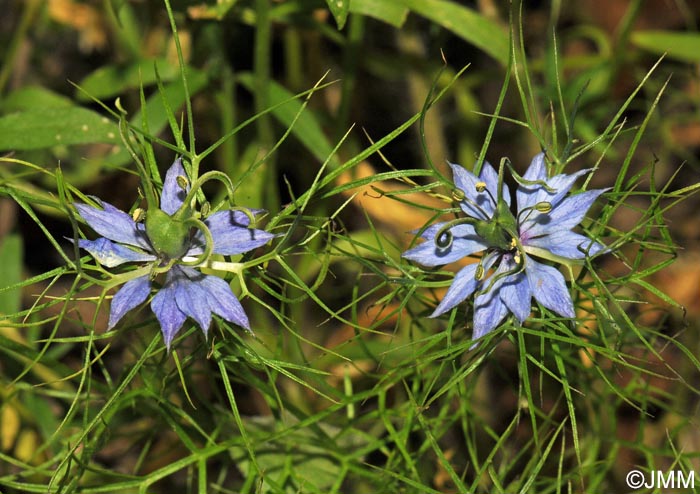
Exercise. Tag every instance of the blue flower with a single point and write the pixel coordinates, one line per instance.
(185, 291)
(542, 227)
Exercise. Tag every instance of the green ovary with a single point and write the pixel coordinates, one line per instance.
(169, 237)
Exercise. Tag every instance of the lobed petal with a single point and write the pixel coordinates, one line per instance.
(528, 196)
(549, 288)
(465, 242)
(223, 302)
(172, 196)
(489, 311)
(132, 294)
(489, 175)
(231, 235)
(463, 285)
(481, 205)
(169, 315)
(566, 215)
(190, 297)
(489, 307)
(114, 224)
(110, 254)
(516, 294)
(537, 169)
(565, 243)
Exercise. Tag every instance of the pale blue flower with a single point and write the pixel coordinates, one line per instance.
(185, 291)
(506, 243)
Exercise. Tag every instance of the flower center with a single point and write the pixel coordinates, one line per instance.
(501, 230)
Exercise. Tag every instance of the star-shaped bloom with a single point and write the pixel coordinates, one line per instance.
(185, 291)
(506, 242)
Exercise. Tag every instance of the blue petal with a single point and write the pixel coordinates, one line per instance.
(480, 204)
(566, 215)
(172, 196)
(515, 292)
(529, 195)
(549, 288)
(223, 302)
(230, 234)
(465, 242)
(490, 176)
(133, 293)
(524, 195)
(489, 307)
(537, 169)
(489, 311)
(565, 243)
(110, 254)
(114, 224)
(463, 285)
(170, 317)
(190, 297)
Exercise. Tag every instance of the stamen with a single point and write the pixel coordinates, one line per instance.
(540, 207)
(458, 195)
(480, 186)
(479, 275)
(543, 207)
(520, 261)
(138, 215)
(182, 182)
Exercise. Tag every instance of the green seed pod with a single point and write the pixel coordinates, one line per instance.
(168, 236)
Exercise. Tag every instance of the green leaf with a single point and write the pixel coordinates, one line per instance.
(113, 80)
(339, 9)
(33, 97)
(469, 25)
(10, 273)
(390, 11)
(47, 127)
(679, 46)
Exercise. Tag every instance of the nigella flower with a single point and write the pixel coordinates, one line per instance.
(542, 227)
(174, 243)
